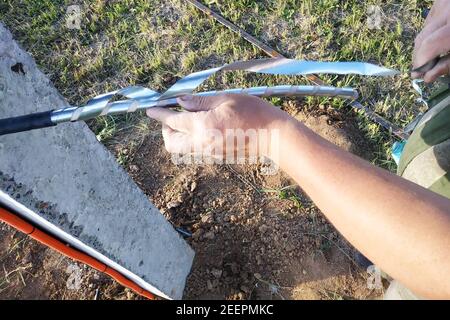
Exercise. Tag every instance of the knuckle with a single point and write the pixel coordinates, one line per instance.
(228, 106)
(428, 78)
(202, 102)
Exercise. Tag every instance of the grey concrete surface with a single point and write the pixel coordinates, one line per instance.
(83, 189)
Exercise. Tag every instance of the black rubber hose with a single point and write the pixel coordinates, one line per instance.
(26, 123)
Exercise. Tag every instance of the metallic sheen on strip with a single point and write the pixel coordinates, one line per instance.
(101, 106)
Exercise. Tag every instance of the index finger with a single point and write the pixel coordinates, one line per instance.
(428, 29)
(434, 45)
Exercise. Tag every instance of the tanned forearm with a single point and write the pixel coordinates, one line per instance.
(400, 226)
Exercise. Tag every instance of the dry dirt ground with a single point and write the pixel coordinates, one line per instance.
(255, 236)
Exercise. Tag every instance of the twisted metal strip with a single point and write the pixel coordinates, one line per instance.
(140, 97)
(397, 131)
(279, 66)
(102, 106)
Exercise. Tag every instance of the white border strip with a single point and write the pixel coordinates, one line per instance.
(50, 228)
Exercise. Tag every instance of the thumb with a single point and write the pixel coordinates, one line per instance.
(200, 103)
(180, 121)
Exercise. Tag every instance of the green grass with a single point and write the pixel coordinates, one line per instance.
(153, 43)
(286, 193)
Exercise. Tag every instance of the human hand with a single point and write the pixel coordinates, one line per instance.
(434, 41)
(224, 126)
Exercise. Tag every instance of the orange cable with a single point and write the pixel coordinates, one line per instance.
(25, 227)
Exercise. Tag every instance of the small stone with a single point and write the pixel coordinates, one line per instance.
(209, 235)
(196, 235)
(134, 168)
(209, 285)
(216, 273)
(304, 272)
(233, 218)
(207, 218)
(173, 204)
(193, 186)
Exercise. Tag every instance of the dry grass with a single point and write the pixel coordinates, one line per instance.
(153, 43)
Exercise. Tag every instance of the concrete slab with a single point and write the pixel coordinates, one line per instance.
(67, 177)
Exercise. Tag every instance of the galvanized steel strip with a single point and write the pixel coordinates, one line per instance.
(141, 98)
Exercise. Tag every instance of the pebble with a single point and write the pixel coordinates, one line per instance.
(196, 235)
(216, 273)
(173, 204)
(207, 218)
(134, 168)
(209, 235)
(130, 295)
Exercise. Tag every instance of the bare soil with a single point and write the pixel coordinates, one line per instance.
(255, 236)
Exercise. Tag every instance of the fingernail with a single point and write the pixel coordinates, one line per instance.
(187, 97)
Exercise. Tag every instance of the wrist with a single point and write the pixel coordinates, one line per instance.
(278, 132)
